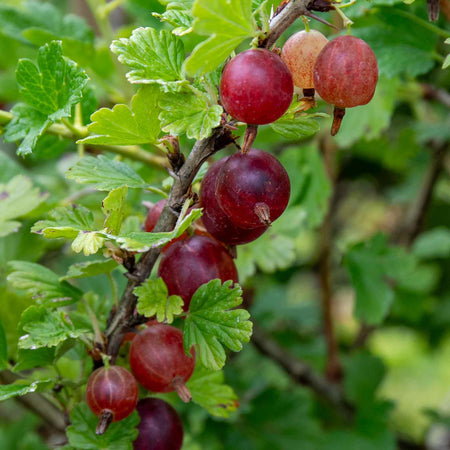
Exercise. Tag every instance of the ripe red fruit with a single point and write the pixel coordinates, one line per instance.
(256, 87)
(345, 75)
(111, 394)
(215, 220)
(159, 362)
(253, 188)
(160, 427)
(153, 215)
(300, 53)
(188, 264)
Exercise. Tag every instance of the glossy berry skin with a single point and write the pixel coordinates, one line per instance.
(153, 215)
(300, 53)
(253, 188)
(158, 360)
(112, 389)
(188, 264)
(346, 72)
(215, 220)
(160, 427)
(256, 87)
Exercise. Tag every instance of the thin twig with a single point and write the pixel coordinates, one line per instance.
(37, 403)
(303, 374)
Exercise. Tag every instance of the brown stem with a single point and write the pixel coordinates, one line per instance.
(104, 421)
(182, 390)
(338, 115)
(123, 317)
(433, 10)
(301, 372)
(249, 137)
(202, 150)
(37, 403)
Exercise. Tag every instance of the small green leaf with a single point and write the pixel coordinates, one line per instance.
(433, 243)
(113, 207)
(17, 198)
(209, 391)
(212, 322)
(153, 298)
(106, 174)
(3, 348)
(23, 387)
(88, 242)
(154, 57)
(65, 223)
(373, 267)
(124, 126)
(270, 252)
(27, 125)
(190, 113)
(178, 14)
(310, 184)
(363, 375)
(228, 23)
(54, 85)
(142, 241)
(46, 328)
(42, 284)
(294, 128)
(90, 269)
(29, 359)
(119, 435)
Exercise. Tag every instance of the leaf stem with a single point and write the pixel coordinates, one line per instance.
(429, 26)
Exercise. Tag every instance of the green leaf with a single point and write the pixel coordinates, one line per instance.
(190, 113)
(42, 284)
(27, 125)
(153, 298)
(22, 387)
(88, 242)
(213, 322)
(90, 269)
(294, 128)
(363, 375)
(127, 126)
(154, 57)
(29, 359)
(65, 223)
(434, 243)
(119, 435)
(106, 174)
(143, 241)
(270, 252)
(54, 85)
(17, 198)
(46, 328)
(209, 391)
(3, 348)
(45, 18)
(310, 185)
(369, 121)
(113, 207)
(398, 50)
(178, 14)
(373, 267)
(228, 23)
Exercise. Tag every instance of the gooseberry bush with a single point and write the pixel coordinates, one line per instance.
(190, 258)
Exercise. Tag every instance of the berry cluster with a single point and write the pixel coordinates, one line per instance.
(241, 195)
